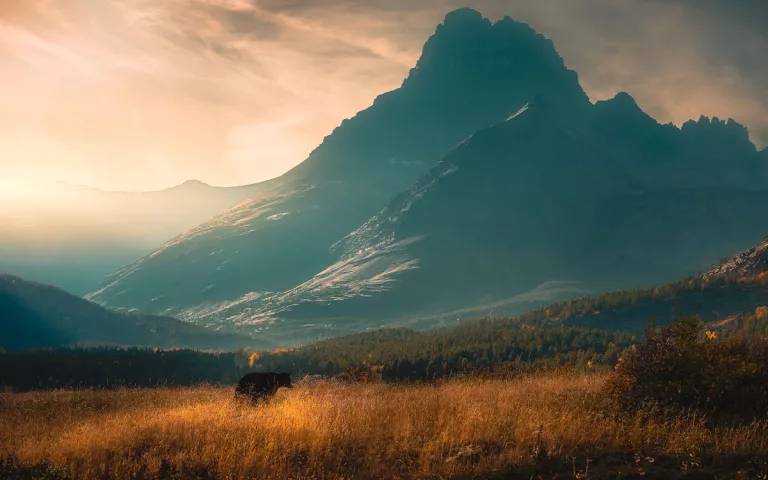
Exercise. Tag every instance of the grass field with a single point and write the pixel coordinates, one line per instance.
(543, 426)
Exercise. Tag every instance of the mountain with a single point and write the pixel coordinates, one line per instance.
(34, 315)
(472, 74)
(555, 202)
(749, 262)
(555, 198)
(74, 236)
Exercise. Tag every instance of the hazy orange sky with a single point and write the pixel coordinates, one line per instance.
(145, 94)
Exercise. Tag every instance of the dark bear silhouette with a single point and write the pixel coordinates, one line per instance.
(257, 386)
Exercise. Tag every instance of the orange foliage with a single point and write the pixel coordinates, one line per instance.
(281, 351)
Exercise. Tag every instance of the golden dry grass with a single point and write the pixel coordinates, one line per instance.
(329, 430)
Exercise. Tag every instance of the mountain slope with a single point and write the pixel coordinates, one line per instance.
(749, 262)
(472, 74)
(735, 286)
(729, 303)
(74, 236)
(33, 315)
(554, 198)
(552, 203)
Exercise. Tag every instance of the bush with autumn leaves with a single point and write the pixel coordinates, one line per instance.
(683, 368)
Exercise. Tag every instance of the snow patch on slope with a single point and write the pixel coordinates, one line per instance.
(362, 274)
(519, 112)
(238, 220)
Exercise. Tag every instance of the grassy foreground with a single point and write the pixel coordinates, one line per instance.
(518, 428)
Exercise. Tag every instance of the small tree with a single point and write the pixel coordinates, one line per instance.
(253, 359)
(241, 358)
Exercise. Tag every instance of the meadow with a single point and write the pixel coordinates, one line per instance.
(540, 426)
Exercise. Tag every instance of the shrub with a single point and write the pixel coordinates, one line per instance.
(682, 368)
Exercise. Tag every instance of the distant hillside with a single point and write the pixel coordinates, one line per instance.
(479, 345)
(33, 315)
(73, 236)
(737, 285)
(484, 345)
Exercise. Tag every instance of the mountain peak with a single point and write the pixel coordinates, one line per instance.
(623, 108)
(464, 17)
(193, 184)
(622, 102)
(724, 133)
(469, 53)
(705, 122)
(623, 98)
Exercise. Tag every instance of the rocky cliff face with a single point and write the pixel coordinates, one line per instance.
(749, 262)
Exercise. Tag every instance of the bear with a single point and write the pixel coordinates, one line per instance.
(258, 386)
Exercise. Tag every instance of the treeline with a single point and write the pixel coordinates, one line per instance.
(594, 305)
(392, 354)
(487, 345)
(481, 347)
(115, 367)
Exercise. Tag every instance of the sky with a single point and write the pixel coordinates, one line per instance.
(145, 94)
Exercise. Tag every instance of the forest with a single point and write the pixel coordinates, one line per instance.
(82, 368)
(390, 354)
(581, 307)
(478, 347)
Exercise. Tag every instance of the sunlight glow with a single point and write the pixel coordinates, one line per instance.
(137, 95)
(16, 191)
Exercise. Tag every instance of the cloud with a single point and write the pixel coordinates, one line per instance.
(144, 93)
(139, 94)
